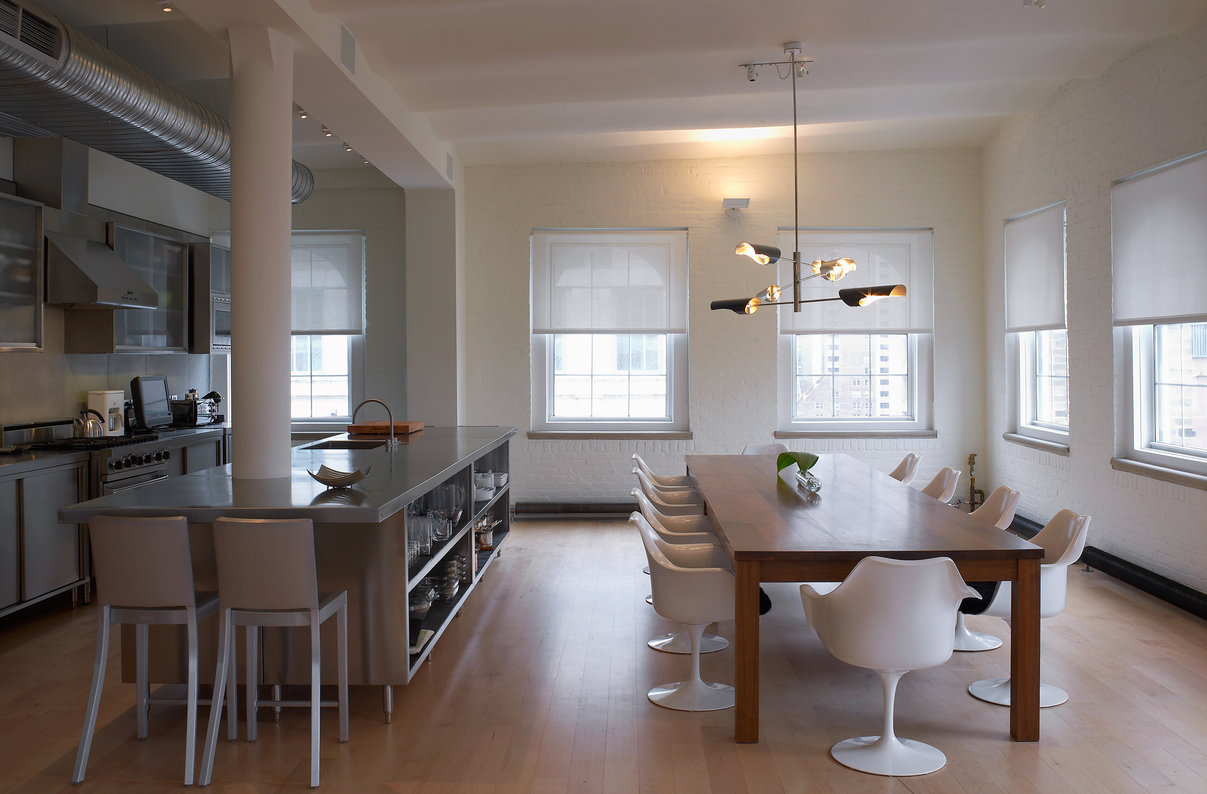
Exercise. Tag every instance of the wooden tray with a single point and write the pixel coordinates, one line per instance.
(401, 428)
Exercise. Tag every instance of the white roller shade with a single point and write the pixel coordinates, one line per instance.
(326, 273)
(890, 256)
(1035, 270)
(1159, 245)
(609, 282)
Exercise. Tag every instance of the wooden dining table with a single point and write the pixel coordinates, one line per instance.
(773, 530)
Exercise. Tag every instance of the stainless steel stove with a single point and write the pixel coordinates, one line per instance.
(118, 463)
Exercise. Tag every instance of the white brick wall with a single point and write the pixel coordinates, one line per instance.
(732, 358)
(1148, 109)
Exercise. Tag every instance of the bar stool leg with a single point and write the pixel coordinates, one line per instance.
(94, 695)
(225, 637)
(341, 620)
(142, 686)
(190, 734)
(252, 680)
(387, 703)
(315, 657)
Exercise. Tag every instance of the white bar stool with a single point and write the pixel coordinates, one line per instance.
(145, 575)
(267, 577)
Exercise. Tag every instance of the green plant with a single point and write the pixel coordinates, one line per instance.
(805, 460)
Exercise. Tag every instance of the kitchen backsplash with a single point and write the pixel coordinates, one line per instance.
(49, 385)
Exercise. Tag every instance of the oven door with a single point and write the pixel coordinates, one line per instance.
(130, 483)
(220, 321)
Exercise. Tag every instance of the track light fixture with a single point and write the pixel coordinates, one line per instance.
(795, 68)
(326, 131)
(302, 114)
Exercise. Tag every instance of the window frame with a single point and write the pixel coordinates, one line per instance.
(542, 353)
(918, 329)
(1023, 351)
(920, 374)
(1138, 346)
(356, 341)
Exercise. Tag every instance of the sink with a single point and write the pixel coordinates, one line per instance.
(346, 444)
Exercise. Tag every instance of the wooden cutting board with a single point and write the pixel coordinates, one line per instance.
(401, 428)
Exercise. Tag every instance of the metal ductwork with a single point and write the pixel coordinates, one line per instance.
(55, 81)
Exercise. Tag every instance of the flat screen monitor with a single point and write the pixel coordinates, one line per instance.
(151, 406)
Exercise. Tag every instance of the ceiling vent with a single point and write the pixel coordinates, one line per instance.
(55, 81)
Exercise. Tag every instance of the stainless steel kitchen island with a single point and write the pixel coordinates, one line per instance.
(361, 537)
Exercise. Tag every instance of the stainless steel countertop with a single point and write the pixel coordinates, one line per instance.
(398, 476)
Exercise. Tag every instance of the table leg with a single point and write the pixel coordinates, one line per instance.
(746, 616)
(1024, 653)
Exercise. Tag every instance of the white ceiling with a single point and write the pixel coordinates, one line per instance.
(506, 81)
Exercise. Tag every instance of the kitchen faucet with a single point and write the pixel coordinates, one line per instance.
(389, 415)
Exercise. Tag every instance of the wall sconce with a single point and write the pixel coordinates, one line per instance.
(734, 206)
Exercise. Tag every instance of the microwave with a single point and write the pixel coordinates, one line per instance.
(220, 322)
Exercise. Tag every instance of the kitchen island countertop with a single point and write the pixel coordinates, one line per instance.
(398, 476)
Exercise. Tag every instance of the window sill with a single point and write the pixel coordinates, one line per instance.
(1160, 473)
(855, 434)
(610, 435)
(1037, 443)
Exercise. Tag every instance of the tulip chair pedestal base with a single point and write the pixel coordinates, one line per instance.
(889, 756)
(971, 641)
(680, 642)
(693, 696)
(997, 691)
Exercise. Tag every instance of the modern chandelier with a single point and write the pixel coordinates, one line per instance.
(830, 269)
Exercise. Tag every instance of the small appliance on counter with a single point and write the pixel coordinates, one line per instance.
(193, 410)
(110, 405)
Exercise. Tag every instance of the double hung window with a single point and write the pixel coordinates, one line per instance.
(1037, 339)
(1159, 242)
(609, 330)
(327, 324)
(865, 369)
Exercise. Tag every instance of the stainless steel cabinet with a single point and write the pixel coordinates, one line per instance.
(20, 274)
(39, 556)
(10, 564)
(163, 264)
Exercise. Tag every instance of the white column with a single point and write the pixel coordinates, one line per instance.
(261, 146)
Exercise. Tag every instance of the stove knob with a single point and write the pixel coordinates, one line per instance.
(130, 461)
(158, 455)
(167, 453)
(148, 458)
(114, 464)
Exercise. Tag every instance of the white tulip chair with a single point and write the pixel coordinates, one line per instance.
(996, 511)
(906, 468)
(666, 482)
(694, 595)
(943, 486)
(1063, 540)
(890, 616)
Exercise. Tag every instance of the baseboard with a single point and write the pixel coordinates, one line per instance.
(1169, 591)
(577, 510)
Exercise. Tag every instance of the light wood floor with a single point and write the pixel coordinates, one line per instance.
(540, 685)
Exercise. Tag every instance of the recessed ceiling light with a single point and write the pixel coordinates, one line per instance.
(347, 147)
(302, 114)
(166, 6)
(326, 131)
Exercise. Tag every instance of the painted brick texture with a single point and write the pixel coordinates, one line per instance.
(1148, 109)
(732, 381)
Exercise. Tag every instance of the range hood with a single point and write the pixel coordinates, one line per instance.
(85, 274)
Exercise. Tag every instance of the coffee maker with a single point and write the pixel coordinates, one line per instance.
(111, 406)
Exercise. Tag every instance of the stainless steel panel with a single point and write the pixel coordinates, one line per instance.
(10, 562)
(50, 549)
